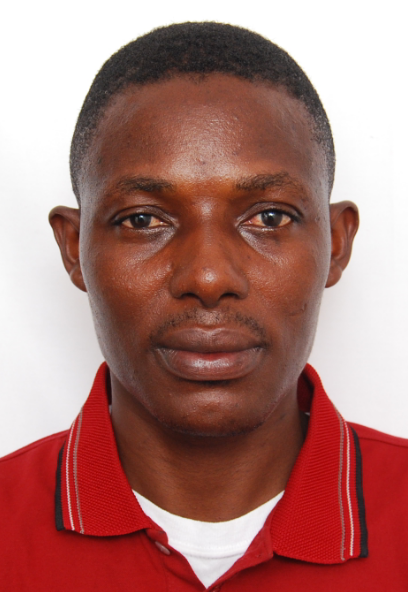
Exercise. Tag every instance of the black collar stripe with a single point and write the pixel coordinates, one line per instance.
(59, 519)
(360, 497)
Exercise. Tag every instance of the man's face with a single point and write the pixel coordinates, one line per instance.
(204, 248)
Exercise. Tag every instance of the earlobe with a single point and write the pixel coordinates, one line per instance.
(344, 221)
(65, 223)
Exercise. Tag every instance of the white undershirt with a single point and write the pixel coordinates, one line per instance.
(211, 548)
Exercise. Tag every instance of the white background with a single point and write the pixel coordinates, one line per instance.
(354, 52)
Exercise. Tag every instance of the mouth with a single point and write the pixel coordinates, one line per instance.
(209, 355)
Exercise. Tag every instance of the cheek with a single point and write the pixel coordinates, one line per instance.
(290, 286)
(125, 294)
(289, 292)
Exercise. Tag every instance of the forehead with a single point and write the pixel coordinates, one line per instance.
(196, 130)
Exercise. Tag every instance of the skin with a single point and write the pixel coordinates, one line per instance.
(204, 240)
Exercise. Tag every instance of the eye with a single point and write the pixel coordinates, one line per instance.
(270, 219)
(142, 221)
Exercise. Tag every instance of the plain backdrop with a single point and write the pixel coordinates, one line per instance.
(355, 53)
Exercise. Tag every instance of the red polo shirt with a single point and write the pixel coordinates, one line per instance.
(69, 519)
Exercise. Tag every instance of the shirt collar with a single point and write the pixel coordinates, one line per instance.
(320, 518)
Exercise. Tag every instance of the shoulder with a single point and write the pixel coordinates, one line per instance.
(382, 452)
(369, 435)
(32, 467)
(27, 490)
(34, 449)
(385, 475)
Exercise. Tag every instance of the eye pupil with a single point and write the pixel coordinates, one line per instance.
(272, 218)
(140, 220)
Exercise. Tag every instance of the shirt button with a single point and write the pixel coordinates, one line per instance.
(162, 548)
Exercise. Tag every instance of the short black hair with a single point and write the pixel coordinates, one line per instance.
(197, 48)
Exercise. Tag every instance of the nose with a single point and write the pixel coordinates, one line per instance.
(207, 267)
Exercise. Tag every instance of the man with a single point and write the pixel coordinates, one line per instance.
(207, 454)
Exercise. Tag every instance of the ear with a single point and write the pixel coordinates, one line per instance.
(65, 223)
(344, 223)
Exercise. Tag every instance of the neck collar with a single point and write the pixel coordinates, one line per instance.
(320, 519)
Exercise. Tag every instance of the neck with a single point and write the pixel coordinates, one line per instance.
(211, 479)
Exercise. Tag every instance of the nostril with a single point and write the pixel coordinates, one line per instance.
(189, 295)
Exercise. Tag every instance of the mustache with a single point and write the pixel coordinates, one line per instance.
(207, 318)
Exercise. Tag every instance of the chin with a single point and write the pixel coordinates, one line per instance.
(213, 412)
(214, 427)
(212, 431)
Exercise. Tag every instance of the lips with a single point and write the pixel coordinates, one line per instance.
(206, 355)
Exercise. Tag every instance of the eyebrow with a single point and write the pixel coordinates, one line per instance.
(262, 182)
(148, 184)
(256, 182)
